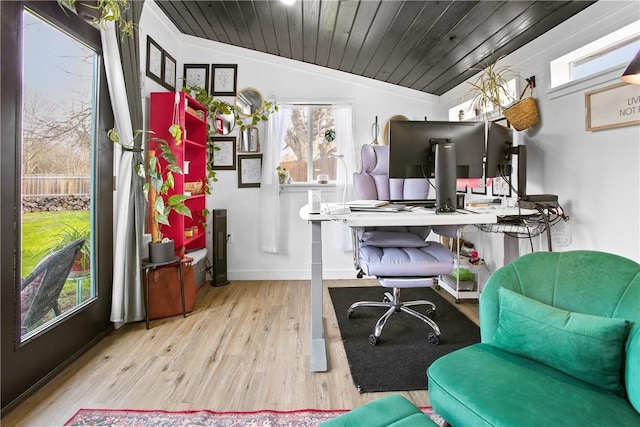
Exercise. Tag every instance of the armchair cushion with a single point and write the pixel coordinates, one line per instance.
(392, 239)
(588, 347)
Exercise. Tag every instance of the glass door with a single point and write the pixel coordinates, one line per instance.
(59, 74)
(57, 194)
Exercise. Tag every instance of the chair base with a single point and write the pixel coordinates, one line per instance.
(393, 303)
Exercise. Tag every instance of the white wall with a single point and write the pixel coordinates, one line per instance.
(282, 79)
(595, 174)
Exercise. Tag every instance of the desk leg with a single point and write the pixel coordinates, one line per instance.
(511, 247)
(318, 350)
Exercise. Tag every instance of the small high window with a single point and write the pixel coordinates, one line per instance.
(610, 51)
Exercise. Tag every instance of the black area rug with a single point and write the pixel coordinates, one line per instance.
(400, 359)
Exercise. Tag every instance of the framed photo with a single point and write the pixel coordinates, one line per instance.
(225, 157)
(154, 61)
(223, 79)
(249, 170)
(500, 187)
(196, 75)
(480, 187)
(612, 107)
(168, 71)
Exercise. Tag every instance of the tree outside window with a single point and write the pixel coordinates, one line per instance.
(309, 142)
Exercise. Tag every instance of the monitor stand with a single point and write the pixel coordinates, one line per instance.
(446, 197)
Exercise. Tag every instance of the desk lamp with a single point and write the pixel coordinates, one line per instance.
(344, 209)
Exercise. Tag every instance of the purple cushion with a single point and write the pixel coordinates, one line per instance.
(398, 262)
(392, 239)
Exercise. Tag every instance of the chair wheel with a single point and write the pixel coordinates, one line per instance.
(385, 299)
(373, 340)
(431, 313)
(433, 338)
(349, 314)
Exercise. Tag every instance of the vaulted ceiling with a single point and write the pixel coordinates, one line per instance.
(430, 46)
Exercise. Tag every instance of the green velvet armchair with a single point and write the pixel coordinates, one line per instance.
(560, 345)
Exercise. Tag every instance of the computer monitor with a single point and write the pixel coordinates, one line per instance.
(412, 147)
(499, 151)
(441, 150)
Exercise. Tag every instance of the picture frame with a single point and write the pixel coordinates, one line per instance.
(196, 75)
(612, 106)
(225, 157)
(168, 71)
(154, 61)
(224, 79)
(481, 188)
(500, 187)
(249, 170)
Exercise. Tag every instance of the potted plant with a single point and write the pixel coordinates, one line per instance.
(159, 181)
(490, 90)
(98, 12)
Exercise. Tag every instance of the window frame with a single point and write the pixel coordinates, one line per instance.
(311, 182)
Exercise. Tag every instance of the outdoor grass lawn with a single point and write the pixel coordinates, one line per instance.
(40, 231)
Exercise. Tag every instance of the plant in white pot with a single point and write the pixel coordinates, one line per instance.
(490, 89)
(159, 181)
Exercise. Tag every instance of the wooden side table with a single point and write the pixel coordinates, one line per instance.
(148, 266)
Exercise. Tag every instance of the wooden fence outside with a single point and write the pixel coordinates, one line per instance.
(46, 185)
(298, 169)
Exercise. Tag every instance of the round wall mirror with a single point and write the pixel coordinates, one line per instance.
(387, 127)
(221, 123)
(249, 102)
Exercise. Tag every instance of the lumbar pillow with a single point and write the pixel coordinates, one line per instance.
(587, 347)
(392, 239)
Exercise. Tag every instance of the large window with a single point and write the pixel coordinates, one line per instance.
(309, 142)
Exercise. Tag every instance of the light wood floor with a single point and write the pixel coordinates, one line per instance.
(244, 347)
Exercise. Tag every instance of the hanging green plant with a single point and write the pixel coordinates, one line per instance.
(98, 12)
(330, 135)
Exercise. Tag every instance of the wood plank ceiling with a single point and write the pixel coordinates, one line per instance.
(430, 46)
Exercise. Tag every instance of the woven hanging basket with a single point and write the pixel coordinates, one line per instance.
(524, 113)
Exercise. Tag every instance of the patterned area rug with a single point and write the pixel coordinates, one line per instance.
(205, 418)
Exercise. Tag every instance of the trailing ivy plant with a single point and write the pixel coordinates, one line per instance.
(99, 12)
(215, 105)
(268, 108)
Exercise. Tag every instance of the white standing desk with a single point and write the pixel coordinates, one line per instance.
(318, 353)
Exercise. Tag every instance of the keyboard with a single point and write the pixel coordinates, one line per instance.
(426, 203)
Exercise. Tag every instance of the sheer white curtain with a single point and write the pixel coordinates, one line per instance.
(343, 119)
(269, 218)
